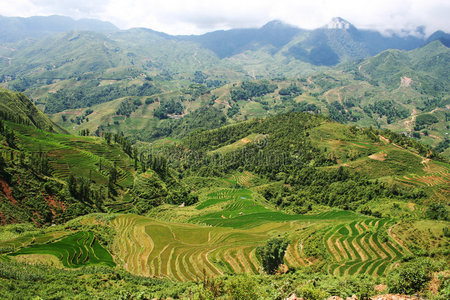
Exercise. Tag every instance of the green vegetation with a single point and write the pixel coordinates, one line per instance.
(199, 170)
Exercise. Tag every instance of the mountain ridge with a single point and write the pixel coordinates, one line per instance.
(339, 38)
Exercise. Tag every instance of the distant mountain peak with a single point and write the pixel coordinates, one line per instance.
(339, 23)
(276, 24)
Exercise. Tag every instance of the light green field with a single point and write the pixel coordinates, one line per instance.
(73, 251)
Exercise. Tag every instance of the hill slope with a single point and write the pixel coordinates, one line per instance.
(389, 90)
(17, 107)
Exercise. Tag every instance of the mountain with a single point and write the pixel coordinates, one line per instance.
(340, 41)
(390, 90)
(13, 29)
(441, 36)
(289, 161)
(339, 23)
(227, 43)
(276, 46)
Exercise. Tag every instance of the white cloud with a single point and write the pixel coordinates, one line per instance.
(198, 16)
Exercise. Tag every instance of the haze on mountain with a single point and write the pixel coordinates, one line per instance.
(198, 17)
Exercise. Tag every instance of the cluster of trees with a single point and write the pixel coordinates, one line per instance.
(292, 91)
(127, 107)
(425, 120)
(437, 211)
(168, 107)
(85, 191)
(79, 119)
(400, 140)
(162, 186)
(387, 108)
(200, 119)
(85, 132)
(442, 146)
(250, 89)
(120, 139)
(196, 90)
(92, 93)
(233, 110)
(15, 118)
(9, 135)
(40, 163)
(272, 254)
(336, 188)
(338, 113)
(202, 79)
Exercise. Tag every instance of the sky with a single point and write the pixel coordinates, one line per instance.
(200, 16)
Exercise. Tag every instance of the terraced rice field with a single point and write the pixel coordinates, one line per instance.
(236, 208)
(79, 249)
(148, 247)
(359, 247)
(78, 155)
(437, 174)
(184, 251)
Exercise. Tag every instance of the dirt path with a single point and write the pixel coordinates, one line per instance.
(337, 91)
(195, 57)
(409, 123)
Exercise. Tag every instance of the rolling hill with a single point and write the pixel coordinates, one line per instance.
(389, 90)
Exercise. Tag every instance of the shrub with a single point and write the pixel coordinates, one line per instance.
(241, 288)
(309, 292)
(410, 277)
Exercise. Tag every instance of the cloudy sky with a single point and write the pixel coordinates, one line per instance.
(199, 16)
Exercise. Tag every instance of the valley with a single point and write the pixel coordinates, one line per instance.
(237, 164)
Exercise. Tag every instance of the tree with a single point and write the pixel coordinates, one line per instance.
(437, 211)
(72, 185)
(272, 254)
(2, 165)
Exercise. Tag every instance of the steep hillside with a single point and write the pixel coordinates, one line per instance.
(17, 107)
(51, 177)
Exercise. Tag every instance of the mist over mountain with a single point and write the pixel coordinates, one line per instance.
(13, 29)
